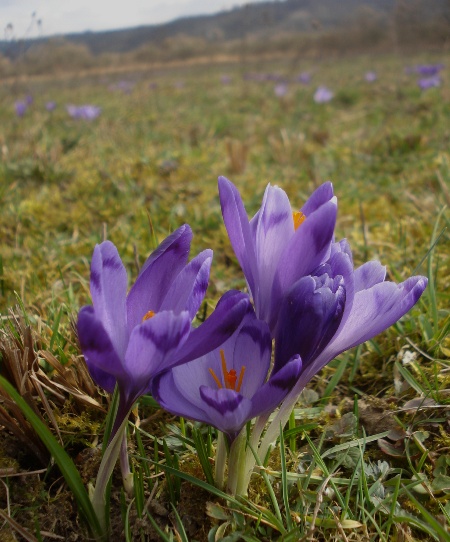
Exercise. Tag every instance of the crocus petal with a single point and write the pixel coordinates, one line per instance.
(101, 378)
(108, 291)
(310, 314)
(238, 228)
(276, 388)
(342, 246)
(253, 350)
(153, 344)
(227, 409)
(310, 245)
(217, 328)
(157, 274)
(189, 287)
(96, 345)
(189, 377)
(275, 226)
(369, 274)
(321, 195)
(373, 311)
(165, 390)
(377, 308)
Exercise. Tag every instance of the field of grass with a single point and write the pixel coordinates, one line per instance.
(367, 452)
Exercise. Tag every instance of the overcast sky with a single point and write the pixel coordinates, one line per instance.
(66, 16)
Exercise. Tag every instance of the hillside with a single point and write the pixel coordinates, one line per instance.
(257, 21)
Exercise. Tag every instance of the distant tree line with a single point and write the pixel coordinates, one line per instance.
(297, 27)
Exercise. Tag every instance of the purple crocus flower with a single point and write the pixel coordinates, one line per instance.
(323, 95)
(334, 309)
(281, 90)
(428, 70)
(128, 339)
(277, 247)
(370, 77)
(338, 307)
(429, 82)
(85, 112)
(228, 386)
(20, 108)
(123, 86)
(50, 106)
(304, 78)
(304, 285)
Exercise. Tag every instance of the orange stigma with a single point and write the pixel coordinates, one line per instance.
(148, 315)
(230, 378)
(299, 218)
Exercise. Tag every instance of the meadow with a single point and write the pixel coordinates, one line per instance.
(366, 453)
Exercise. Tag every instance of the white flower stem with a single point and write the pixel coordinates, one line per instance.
(221, 460)
(248, 460)
(104, 473)
(236, 462)
(127, 475)
(281, 418)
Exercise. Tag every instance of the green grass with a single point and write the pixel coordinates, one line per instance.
(366, 454)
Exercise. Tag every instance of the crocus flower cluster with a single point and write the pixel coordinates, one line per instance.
(309, 304)
(85, 112)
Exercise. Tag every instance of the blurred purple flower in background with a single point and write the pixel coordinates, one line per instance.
(225, 79)
(85, 112)
(50, 106)
(123, 86)
(304, 78)
(281, 90)
(428, 70)
(20, 107)
(323, 95)
(370, 77)
(228, 386)
(128, 339)
(429, 82)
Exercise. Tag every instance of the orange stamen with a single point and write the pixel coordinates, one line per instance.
(241, 378)
(230, 377)
(148, 315)
(213, 374)
(299, 218)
